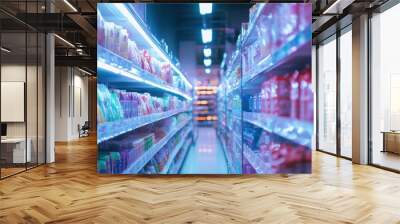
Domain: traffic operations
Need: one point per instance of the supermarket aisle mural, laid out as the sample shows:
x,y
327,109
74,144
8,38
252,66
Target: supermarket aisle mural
x,y
265,97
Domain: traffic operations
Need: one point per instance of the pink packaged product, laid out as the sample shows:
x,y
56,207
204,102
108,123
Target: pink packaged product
x,y
266,97
117,39
166,72
145,101
109,35
156,67
294,96
146,59
134,145
100,29
289,21
283,155
306,96
134,53
123,41
306,16
280,95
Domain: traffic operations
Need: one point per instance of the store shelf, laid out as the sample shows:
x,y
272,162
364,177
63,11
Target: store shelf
x,y
109,130
294,130
229,162
125,73
255,161
290,56
237,138
149,154
236,116
248,38
175,169
138,29
175,152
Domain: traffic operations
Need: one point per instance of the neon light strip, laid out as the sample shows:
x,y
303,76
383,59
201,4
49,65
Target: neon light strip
x,y
64,40
130,75
70,5
5,50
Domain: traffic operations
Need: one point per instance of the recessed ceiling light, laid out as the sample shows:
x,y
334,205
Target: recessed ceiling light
x,y
207,52
207,62
205,8
5,50
206,35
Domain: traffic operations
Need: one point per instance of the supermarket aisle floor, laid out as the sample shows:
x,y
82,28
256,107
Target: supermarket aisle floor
x,y
207,157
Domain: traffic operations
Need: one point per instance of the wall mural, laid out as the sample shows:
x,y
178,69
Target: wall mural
x,y
154,118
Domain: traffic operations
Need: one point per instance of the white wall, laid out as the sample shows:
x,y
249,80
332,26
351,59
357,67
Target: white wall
x,y
33,127
71,94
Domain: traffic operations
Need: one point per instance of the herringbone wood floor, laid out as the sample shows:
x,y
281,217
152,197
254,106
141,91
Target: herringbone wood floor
x,y
70,191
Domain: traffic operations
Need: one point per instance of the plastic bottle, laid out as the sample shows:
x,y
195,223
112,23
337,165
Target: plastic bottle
x,y
294,95
306,96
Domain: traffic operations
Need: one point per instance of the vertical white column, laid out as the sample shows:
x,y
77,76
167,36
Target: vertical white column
x,y
360,90
50,93
314,85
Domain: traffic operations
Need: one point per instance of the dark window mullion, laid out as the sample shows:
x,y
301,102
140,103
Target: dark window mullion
x,y
338,98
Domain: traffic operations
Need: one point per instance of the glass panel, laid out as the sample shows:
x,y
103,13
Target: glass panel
x,y
346,94
41,99
31,97
32,87
385,89
13,86
314,86
327,96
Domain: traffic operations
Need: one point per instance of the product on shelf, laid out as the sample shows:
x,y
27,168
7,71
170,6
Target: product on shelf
x,y
121,153
166,72
100,29
276,26
275,152
306,96
116,39
117,104
109,105
159,161
134,53
280,95
289,95
123,43
295,96
266,97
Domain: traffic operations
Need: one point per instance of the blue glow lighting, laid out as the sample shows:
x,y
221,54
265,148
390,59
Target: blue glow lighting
x,y
207,70
205,8
207,62
207,52
122,8
132,75
206,35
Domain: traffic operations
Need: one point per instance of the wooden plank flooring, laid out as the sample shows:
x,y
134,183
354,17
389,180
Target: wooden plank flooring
x,y
70,191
